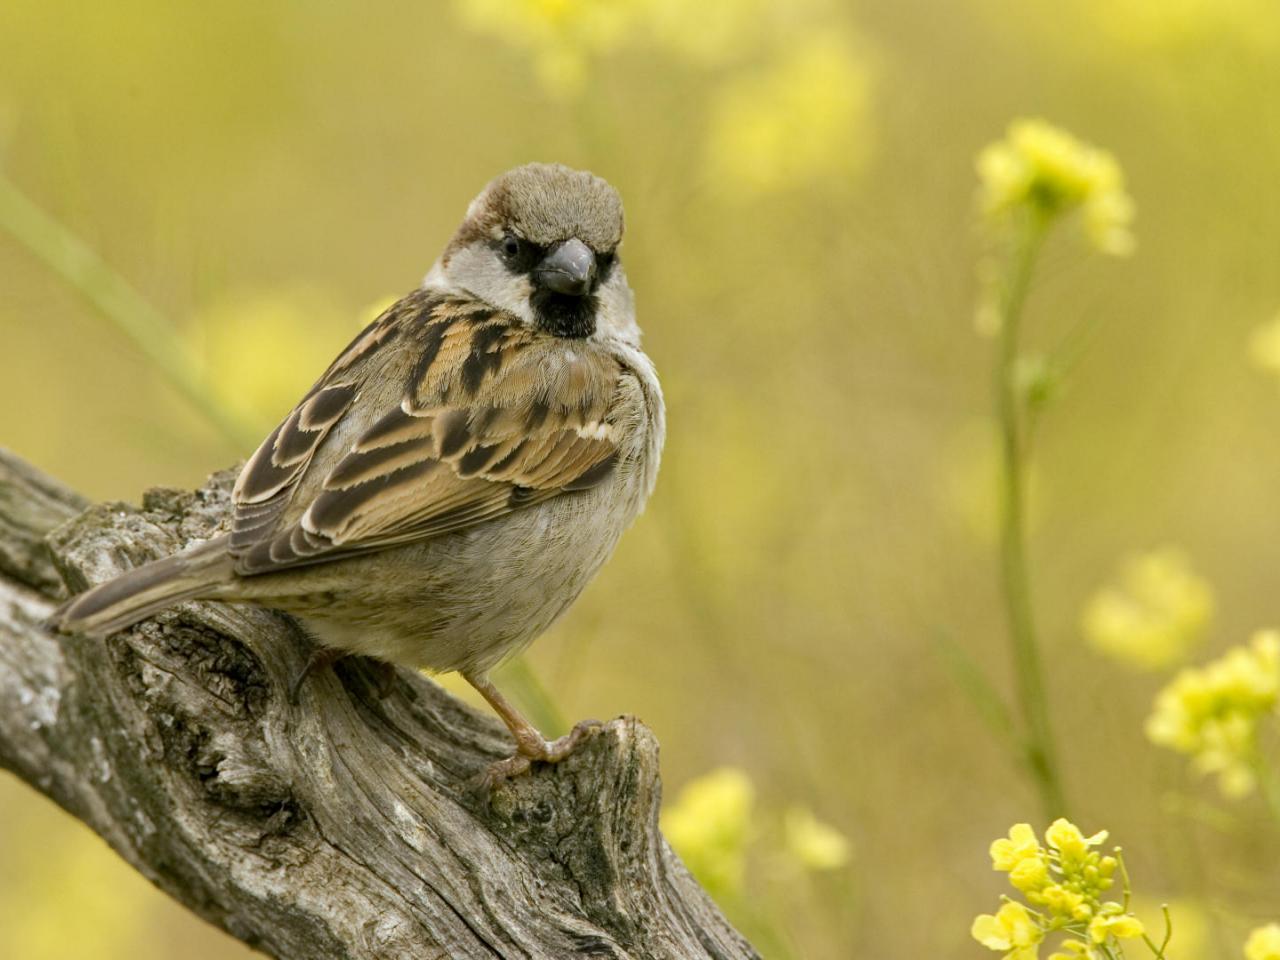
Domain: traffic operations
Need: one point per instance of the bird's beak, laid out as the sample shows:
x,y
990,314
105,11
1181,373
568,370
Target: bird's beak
x,y
569,268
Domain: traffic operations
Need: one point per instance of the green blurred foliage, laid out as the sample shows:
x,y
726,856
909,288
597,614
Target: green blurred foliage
x,y
265,171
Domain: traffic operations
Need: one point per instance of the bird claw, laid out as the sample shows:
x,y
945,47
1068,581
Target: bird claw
x,y
501,770
543,751
558,749
384,674
320,658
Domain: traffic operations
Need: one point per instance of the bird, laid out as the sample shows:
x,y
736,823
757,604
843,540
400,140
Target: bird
x,y
460,472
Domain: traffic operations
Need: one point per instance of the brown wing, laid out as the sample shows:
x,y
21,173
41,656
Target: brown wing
x,y
443,414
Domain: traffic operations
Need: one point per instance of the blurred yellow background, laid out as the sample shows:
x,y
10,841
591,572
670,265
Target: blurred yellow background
x,y
799,182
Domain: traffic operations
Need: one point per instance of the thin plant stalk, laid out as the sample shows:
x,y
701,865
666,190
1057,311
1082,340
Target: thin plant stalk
x,y
112,296
1269,786
1041,754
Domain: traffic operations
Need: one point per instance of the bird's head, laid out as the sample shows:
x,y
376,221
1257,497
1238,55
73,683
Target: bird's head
x,y
541,242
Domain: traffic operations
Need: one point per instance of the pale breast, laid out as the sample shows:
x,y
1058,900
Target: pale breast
x,y
468,599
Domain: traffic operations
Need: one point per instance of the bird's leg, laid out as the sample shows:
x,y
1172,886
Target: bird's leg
x,y
530,744
384,673
384,676
320,658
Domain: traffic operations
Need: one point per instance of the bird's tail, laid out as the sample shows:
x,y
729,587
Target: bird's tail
x,y
133,596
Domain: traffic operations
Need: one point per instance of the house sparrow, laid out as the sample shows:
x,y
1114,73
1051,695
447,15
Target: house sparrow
x,y
460,472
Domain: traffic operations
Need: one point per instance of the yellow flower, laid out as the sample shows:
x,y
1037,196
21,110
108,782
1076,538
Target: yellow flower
x,y
1030,876
562,36
1212,712
1044,169
1065,837
1021,844
814,844
1155,615
565,37
1263,943
1122,926
803,119
1064,880
1083,873
709,826
1250,26
1022,856
243,338
1264,346
1011,929
1075,950
710,32
1063,903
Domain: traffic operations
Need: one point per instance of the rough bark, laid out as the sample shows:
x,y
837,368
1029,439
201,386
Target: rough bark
x,y
345,826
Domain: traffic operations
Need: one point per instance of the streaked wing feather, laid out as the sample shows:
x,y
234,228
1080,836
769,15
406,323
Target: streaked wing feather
x,y
491,419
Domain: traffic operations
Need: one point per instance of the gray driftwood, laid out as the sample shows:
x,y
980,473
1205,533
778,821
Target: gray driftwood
x,y
344,826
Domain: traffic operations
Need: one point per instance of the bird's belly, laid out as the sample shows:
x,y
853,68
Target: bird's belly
x,y
468,599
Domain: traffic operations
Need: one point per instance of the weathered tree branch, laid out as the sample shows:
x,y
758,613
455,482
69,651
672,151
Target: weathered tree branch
x,y
342,827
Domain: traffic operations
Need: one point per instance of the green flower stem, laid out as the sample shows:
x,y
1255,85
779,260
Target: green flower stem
x,y
1158,951
1033,704
82,269
971,679
1269,786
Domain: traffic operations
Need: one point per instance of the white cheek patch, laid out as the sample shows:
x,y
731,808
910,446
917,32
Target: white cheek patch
x,y
616,315
435,278
477,270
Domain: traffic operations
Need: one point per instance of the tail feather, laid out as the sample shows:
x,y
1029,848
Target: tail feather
x,y
123,601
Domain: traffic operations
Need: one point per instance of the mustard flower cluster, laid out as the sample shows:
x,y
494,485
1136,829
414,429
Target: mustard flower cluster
x,y
1243,25
1154,615
564,38
793,107
814,845
561,36
713,823
801,118
1263,943
286,321
1044,169
1063,882
709,825
1213,713
1264,346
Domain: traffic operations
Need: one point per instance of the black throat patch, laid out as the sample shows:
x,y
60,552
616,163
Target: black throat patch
x,y
563,315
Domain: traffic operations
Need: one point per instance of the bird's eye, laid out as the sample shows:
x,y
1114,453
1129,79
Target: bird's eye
x,y
511,245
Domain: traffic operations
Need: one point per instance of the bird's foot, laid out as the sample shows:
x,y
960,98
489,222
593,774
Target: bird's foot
x,y
320,658
384,674
530,749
